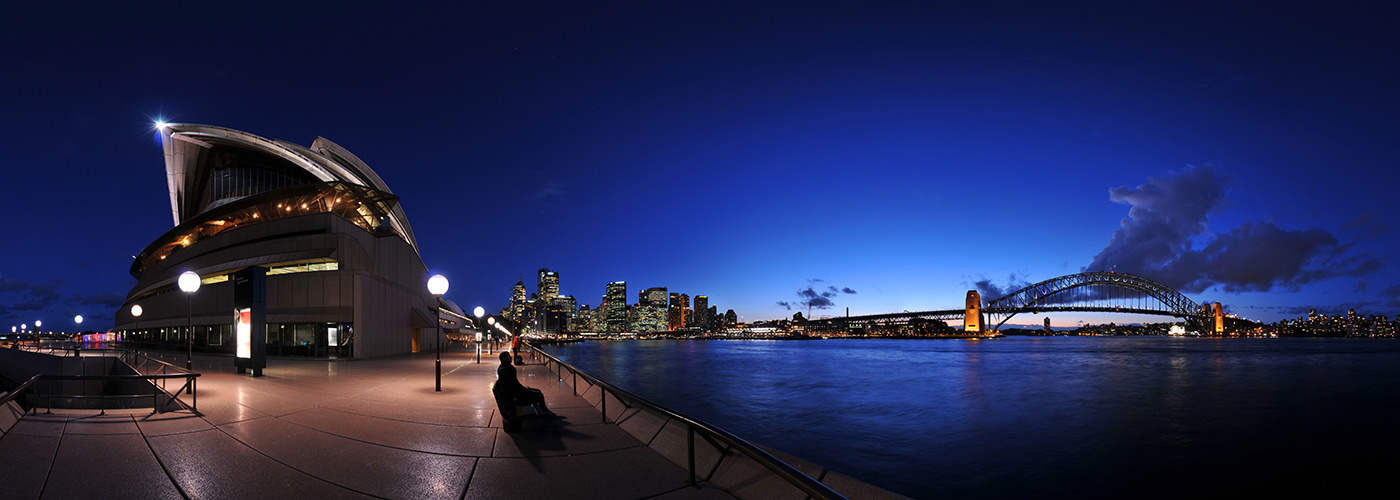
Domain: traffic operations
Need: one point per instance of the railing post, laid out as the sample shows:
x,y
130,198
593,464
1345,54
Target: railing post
x,y
102,397
155,397
604,402
575,382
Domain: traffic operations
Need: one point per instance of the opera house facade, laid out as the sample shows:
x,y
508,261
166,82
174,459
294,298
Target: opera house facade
x,y
344,277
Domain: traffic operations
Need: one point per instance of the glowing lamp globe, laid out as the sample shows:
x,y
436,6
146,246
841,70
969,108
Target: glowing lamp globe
x,y
437,285
479,311
189,282
136,310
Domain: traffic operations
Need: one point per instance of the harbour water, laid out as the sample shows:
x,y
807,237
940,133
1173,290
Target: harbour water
x,y
1045,417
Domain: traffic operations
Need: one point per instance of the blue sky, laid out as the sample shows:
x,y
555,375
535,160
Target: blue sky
x,y
907,151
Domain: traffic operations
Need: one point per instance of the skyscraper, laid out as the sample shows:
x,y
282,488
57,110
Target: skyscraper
x,y
702,312
517,300
615,306
675,315
548,286
651,310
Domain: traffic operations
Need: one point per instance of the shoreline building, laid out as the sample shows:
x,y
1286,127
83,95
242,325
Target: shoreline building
x,y
344,277
615,307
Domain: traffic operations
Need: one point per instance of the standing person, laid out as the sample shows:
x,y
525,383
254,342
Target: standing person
x,y
515,349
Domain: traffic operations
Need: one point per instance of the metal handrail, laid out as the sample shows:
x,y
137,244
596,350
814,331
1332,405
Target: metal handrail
x,y
190,384
137,360
19,390
784,470
39,347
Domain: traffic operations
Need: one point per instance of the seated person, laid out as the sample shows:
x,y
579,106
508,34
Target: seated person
x,y
510,393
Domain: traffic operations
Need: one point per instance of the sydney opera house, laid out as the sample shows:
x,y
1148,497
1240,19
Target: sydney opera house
x,y
344,277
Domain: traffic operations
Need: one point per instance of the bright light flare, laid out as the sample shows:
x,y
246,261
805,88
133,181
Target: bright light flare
x,y
437,285
188,281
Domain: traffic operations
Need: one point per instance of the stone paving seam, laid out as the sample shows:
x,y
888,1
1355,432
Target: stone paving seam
x,y
319,407
659,428
53,461
372,443
147,439
577,454
698,486
290,466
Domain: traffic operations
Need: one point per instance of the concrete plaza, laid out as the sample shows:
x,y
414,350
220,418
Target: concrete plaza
x,y
370,429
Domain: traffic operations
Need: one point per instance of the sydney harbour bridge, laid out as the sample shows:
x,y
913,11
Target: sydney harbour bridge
x,y
1110,292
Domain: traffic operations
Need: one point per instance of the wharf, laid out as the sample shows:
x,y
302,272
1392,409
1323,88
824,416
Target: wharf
x,y
372,429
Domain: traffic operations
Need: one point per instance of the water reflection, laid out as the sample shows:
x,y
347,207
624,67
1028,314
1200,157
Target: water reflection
x,y
1040,417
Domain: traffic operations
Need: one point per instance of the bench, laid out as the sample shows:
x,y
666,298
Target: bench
x,y
511,414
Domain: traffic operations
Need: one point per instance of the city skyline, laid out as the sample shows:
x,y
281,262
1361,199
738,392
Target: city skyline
x,y
638,316
907,153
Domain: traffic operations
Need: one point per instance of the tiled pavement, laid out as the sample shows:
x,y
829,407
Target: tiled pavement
x,y
362,429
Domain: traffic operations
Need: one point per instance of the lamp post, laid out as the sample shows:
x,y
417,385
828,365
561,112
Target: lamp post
x,y
189,283
437,285
478,311
78,319
136,315
37,324
491,321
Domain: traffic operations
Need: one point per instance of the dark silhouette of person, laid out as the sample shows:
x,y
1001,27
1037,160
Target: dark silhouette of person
x,y
510,392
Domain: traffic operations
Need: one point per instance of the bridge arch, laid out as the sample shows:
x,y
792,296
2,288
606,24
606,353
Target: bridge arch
x,y
1051,295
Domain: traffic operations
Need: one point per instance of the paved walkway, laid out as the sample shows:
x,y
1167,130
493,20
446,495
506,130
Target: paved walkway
x,y
377,429
339,429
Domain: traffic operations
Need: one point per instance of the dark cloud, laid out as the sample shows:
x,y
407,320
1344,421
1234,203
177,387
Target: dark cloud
x,y
30,305
991,291
1165,238
46,291
108,300
1367,225
12,285
811,298
1164,216
1391,296
549,190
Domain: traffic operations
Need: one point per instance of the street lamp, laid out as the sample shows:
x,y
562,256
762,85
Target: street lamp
x,y
136,317
492,322
37,324
437,285
189,283
478,311
79,320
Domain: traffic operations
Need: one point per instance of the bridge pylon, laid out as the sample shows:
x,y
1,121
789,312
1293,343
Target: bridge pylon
x,y
972,320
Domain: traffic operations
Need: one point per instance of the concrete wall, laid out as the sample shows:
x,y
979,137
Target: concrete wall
x,y
379,284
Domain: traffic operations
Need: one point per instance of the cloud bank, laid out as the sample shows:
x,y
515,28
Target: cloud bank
x,y
1165,238
810,298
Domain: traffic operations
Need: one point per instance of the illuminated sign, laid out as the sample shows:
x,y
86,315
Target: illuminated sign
x,y
332,337
243,339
